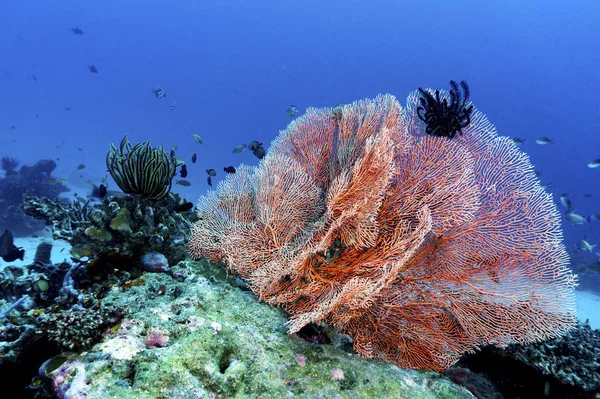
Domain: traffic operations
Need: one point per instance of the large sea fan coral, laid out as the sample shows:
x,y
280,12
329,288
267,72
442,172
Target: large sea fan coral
x,y
421,248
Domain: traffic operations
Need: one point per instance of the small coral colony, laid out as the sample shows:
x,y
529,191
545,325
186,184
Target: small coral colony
x,y
398,226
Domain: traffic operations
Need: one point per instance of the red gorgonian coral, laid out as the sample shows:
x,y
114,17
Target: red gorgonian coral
x,y
420,247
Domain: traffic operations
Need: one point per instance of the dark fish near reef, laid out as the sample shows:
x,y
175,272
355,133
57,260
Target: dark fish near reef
x,y
184,207
68,108
260,152
209,181
8,250
519,142
239,148
229,169
77,31
211,172
160,93
183,183
98,191
80,166
183,171
254,145
257,148
194,158
93,69
173,105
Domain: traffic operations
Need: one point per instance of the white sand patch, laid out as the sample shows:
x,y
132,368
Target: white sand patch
x,y
588,307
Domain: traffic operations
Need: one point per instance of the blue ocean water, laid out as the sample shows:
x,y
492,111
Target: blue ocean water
x,y
232,68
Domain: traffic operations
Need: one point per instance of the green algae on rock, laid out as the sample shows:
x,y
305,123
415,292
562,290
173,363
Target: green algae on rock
x,y
223,343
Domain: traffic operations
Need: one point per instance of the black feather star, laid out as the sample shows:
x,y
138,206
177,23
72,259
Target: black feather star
x,y
445,119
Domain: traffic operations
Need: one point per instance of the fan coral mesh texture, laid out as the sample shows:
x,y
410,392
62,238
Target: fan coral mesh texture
x,y
421,248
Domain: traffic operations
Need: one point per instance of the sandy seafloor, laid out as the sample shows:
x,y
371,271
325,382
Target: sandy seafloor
x,y
588,303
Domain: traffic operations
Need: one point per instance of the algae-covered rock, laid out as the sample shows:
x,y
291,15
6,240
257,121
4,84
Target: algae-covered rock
x,y
220,342
122,221
99,234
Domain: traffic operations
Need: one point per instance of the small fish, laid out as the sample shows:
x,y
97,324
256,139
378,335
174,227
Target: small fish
x,y
229,169
211,172
173,105
537,173
186,206
239,148
183,171
518,142
198,138
183,183
8,250
292,110
77,31
566,202
587,195
260,153
254,145
209,181
68,108
159,93
575,218
102,191
586,246
80,166
174,146
194,158
594,164
93,69
13,127
543,141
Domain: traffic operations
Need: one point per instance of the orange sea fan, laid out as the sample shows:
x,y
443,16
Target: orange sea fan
x,y
421,248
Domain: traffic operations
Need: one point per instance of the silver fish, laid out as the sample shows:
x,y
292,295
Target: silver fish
x,y
594,164
239,148
566,202
586,246
574,218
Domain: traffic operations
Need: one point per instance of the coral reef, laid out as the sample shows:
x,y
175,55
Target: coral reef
x,y
573,359
36,180
199,339
129,226
51,313
419,247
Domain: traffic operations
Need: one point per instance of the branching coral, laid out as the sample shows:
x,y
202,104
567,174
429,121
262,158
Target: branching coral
x,y
419,247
